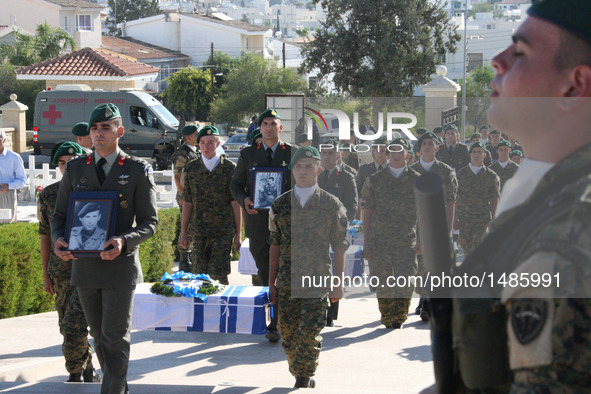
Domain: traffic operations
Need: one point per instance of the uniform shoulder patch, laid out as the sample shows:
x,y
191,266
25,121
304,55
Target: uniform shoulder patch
x,y
528,316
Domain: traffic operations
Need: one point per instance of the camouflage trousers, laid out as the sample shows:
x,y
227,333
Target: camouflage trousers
x,y
211,255
471,233
73,327
389,264
300,323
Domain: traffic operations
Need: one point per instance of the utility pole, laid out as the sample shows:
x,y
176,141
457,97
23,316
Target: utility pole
x,y
211,72
465,87
283,55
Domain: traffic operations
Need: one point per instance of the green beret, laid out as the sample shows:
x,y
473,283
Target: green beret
x,y
302,138
89,207
504,143
103,113
450,126
332,141
256,133
570,15
477,144
476,135
207,130
495,131
400,141
516,152
68,148
268,113
189,129
304,152
80,129
380,141
428,136
422,130
438,129
484,127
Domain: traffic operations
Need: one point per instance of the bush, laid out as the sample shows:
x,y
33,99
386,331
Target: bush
x,y
157,254
21,272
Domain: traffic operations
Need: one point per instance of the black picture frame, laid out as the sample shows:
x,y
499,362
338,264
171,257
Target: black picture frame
x,y
267,184
100,212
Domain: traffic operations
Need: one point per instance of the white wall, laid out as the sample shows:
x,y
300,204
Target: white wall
x,y
154,30
28,13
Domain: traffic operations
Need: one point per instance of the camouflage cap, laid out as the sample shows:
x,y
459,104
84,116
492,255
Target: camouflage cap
x,y
450,126
302,153
302,138
428,136
80,129
256,133
503,143
207,130
570,15
189,129
86,209
477,144
103,113
68,148
268,113
516,152
400,141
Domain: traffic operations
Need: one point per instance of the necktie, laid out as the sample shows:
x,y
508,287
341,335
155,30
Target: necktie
x,y
326,173
100,173
269,155
451,150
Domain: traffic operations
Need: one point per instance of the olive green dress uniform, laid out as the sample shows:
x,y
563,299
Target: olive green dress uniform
x,y
473,207
256,227
457,158
450,183
304,235
504,173
392,238
72,323
211,228
107,288
342,185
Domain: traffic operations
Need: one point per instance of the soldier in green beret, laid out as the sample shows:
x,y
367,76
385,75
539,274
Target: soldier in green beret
x,y
302,140
440,132
256,137
475,138
504,167
106,284
56,278
183,155
478,194
452,152
494,138
271,152
349,160
516,156
390,221
305,223
211,217
80,130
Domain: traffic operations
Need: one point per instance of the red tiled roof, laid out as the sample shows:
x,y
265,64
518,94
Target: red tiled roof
x,y
137,49
88,62
2,27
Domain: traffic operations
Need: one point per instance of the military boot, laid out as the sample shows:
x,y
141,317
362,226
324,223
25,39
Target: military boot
x,y
75,377
304,383
90,375
185,261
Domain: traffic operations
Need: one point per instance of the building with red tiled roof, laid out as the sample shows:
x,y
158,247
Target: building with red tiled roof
x,y
97,68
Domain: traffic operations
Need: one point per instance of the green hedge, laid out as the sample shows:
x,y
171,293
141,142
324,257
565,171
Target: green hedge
x,y
21,273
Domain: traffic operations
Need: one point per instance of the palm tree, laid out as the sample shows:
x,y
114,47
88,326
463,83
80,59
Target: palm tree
x,y
51,41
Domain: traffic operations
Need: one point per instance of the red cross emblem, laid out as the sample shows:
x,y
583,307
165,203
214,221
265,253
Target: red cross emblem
x,y
52,114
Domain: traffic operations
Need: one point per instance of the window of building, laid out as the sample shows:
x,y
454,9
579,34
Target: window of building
x,y
475,60
67,23
83,23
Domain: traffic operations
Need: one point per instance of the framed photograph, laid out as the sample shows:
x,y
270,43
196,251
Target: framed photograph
x,y
268,183
91,221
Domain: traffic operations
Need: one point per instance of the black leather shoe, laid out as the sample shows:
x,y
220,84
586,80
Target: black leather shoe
x,y
424,314
304,383
329,322
75,378
419,307
273,336
90,375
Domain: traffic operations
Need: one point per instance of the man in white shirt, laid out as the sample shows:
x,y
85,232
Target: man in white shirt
x,y
12,177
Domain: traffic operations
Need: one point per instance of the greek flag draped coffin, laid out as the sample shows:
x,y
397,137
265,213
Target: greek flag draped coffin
x,y
237,309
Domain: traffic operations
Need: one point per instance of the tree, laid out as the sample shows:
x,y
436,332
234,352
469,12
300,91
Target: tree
x,y
244,18
243,94
222,63
383,48
48,42
26,91
189,93
478,94
129,10
304,32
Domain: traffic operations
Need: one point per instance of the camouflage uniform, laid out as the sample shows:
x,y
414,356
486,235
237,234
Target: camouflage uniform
x,y
309,230
451,190
473,208
504,173
392,238
212,227
180,158
73,327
